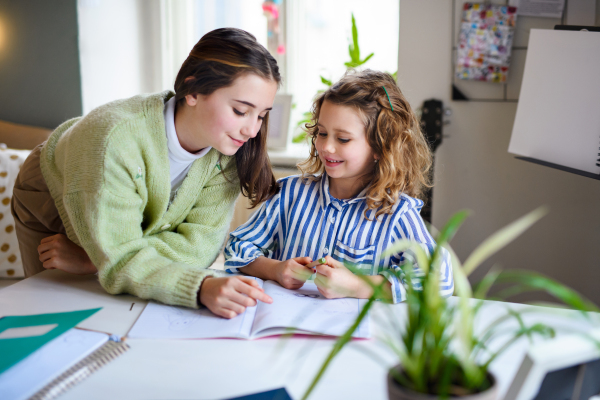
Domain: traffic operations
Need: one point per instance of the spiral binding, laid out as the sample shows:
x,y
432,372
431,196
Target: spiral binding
x,y
80,371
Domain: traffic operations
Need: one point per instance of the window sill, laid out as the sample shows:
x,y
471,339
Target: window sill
x,y
292,155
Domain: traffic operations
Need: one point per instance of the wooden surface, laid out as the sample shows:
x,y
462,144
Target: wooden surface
x,y
24,137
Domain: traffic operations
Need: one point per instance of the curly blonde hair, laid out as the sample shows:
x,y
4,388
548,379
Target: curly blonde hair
x,y
394,136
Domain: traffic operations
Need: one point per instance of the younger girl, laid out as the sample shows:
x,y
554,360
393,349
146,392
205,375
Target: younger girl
x,y
358,194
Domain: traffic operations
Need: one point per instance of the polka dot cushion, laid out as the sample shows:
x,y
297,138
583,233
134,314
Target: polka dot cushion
x,y
10,257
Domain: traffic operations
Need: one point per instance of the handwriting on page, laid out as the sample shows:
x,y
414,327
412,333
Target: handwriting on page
x,y
305,310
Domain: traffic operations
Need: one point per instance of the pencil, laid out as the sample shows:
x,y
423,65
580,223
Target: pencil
x,y
315,263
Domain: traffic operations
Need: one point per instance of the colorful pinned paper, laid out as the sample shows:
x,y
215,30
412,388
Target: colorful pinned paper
x,y
485,41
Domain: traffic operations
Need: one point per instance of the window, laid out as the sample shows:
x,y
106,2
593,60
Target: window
x,y
317,34
243,14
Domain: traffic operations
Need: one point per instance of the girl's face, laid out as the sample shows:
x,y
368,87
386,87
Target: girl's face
x,y
228,117
342,144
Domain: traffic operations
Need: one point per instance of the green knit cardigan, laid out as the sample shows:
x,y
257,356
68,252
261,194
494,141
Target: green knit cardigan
x,y
108,173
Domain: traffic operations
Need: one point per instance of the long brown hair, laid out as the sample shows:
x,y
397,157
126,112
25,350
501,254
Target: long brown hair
x,y
404,157
216,61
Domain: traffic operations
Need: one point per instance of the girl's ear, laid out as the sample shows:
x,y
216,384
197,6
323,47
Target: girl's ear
x,y
191,99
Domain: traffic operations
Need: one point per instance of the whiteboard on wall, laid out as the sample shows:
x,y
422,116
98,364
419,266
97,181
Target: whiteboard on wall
x,y
558,115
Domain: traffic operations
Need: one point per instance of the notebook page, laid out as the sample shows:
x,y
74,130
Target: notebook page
x,y
25,378
307,311
160,321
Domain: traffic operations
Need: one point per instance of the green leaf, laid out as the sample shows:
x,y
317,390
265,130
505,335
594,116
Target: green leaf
x,y
451,227
299,138
402,245
326,81
537,281
355,54
338,345
486,283
449,231
367,58
501,238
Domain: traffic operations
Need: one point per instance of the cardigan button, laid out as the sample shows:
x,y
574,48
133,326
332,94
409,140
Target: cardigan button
x,y
166,226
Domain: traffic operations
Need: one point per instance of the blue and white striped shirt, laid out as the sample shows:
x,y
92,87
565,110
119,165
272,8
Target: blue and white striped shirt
x,y
304,220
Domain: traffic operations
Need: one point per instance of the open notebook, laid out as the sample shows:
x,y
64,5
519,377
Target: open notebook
x,y
303,311
59,364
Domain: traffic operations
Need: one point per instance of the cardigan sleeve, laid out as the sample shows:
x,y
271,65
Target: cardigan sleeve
x,y
164,266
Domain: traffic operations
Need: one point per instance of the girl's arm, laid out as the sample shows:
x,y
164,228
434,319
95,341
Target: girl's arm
x,y
258,237
168,265
253,248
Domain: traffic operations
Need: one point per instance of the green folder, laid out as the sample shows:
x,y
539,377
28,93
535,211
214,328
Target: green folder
x,y
13,350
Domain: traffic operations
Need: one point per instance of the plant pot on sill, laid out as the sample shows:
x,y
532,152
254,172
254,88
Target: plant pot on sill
x,y
399,392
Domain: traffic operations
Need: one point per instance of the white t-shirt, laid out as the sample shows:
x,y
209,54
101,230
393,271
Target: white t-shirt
x,y
180,160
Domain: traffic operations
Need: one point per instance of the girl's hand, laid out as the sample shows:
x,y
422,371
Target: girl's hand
x,y
58,252
292,273
335,281
229,296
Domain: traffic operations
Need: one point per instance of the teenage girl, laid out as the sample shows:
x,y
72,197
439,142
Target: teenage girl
x,y
358,194
142,190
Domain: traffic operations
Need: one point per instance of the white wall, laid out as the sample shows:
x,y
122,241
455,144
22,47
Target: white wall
x,y
119,44
474,170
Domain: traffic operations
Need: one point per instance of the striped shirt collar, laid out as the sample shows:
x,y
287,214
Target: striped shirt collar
x,y
326,199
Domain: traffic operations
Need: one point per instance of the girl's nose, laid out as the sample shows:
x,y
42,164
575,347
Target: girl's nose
x,y
251,128
328,146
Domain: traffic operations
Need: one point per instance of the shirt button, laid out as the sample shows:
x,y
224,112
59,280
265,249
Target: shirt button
x,y
332,219
325,250
166,226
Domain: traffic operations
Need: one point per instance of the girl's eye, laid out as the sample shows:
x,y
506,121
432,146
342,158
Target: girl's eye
x,y
344,140
239,112
323,134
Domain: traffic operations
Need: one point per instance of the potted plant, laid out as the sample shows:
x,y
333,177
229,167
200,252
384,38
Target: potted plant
x,y
355,61
440,355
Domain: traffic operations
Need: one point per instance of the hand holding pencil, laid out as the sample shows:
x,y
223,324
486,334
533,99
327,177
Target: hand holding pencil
x,y
313,265
334,280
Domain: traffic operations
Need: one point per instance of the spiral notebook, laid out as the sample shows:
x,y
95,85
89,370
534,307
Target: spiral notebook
x,y
59,365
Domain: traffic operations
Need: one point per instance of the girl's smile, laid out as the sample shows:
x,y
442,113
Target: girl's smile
x,y
329,162
239,143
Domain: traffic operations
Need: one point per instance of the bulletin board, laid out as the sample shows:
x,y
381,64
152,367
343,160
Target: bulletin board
x,y
507,92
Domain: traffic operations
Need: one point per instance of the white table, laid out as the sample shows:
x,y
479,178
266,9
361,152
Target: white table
x,y
222,368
